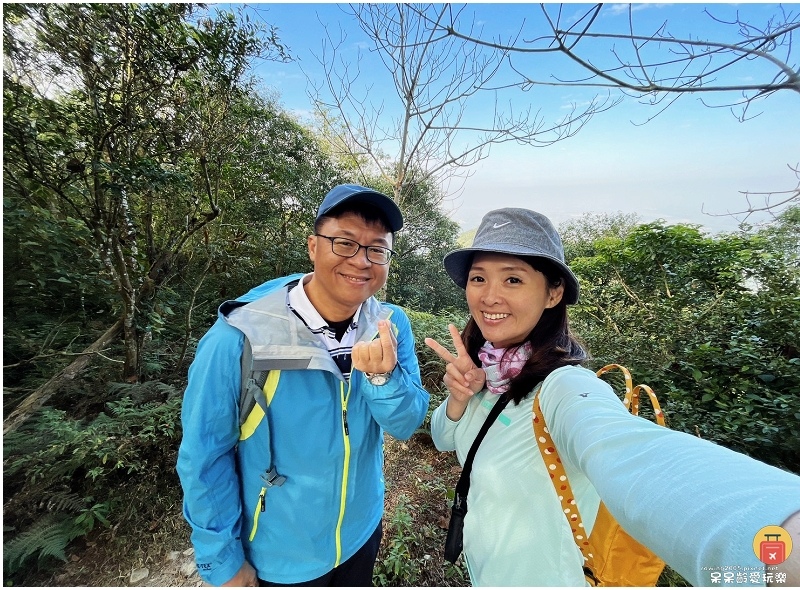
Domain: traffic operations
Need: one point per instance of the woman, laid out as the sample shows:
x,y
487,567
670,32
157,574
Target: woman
x,y
695,504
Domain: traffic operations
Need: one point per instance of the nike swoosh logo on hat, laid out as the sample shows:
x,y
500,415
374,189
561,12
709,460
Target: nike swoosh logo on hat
x,y
499,225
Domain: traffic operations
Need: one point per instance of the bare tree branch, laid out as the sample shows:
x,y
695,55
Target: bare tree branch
x,y
771,202
745,64
692,64
427,127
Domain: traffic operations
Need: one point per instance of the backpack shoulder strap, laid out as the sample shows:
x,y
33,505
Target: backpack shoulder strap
x,y
610,554
558,476
251,391
632,394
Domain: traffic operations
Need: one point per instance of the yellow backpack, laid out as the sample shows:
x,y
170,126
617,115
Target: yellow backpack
x,y
612,556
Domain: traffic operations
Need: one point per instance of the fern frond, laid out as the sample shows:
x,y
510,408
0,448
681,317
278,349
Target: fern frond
x,y
28,438
127,395
121,388
65,501
48,536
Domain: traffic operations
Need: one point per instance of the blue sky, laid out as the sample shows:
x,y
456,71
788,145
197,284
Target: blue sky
x,y
690,159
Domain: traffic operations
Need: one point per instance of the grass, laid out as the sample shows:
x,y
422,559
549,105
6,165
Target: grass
x,y
418,478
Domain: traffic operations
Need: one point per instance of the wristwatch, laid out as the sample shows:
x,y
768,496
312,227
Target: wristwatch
x,y
378,378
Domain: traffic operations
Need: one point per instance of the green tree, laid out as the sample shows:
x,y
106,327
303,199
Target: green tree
x,y
711,323
580,236
120,116
53,294
417,279
279,177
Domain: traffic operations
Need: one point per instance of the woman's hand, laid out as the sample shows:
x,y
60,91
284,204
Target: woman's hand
x,y
462,377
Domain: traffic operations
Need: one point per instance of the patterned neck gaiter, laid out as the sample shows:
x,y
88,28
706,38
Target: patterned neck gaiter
x,y
503,364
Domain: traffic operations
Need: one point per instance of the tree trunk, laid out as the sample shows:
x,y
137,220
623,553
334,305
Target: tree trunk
x,y
131,371
36,399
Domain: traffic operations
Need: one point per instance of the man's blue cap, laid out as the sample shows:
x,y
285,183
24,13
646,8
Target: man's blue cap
x,y
360,194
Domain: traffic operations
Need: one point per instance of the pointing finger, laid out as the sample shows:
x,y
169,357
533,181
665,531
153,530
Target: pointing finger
x,y
461,350
440,350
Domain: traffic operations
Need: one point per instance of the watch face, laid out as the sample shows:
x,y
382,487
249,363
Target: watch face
x,y
378,378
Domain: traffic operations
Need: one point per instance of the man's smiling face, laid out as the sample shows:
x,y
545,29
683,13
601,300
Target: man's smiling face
x,y
339,285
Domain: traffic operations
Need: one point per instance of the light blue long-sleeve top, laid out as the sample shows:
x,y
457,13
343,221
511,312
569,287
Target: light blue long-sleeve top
x,y
696,504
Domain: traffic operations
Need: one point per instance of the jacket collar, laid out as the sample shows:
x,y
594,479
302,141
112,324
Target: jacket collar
x,y
280,340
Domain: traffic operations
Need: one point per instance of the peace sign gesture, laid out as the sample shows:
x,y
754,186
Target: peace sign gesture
x,y
462,377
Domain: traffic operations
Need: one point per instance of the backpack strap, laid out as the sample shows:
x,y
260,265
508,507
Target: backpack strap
x,y
632,393
558,477
252,389
252,393
611,555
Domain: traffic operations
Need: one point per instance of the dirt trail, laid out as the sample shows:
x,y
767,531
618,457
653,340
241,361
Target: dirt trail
x,y
95,567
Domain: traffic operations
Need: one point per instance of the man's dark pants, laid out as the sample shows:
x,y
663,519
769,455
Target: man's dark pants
x,y
356,571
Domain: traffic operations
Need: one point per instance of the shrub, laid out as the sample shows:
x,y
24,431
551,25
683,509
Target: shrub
x,y
64,475
711,323
425,325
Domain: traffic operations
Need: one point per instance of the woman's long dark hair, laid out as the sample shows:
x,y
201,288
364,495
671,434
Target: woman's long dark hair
x,y
553,343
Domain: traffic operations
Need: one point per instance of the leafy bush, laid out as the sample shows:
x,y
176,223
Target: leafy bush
x,y
64,475
711,323
405,551
396,565
425,325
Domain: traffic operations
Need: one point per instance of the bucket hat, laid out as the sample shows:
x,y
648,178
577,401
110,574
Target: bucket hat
x,y
357,193
519,232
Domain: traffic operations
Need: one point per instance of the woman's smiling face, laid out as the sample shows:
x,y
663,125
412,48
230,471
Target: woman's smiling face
x,y
506,297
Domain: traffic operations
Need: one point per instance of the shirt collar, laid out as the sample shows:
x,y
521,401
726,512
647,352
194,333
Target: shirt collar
x,y
298,301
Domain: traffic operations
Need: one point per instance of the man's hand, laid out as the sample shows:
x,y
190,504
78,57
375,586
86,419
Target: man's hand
x,y
245,577
462,377
378,356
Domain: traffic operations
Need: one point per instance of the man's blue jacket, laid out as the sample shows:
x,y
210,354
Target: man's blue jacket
x,y
323,434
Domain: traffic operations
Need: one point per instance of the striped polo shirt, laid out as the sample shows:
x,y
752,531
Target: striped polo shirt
x,y
340,350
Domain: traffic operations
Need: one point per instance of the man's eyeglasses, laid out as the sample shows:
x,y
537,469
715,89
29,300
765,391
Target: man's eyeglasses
x,y
347,248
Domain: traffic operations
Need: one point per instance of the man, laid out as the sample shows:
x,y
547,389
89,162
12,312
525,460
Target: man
x,y
341,371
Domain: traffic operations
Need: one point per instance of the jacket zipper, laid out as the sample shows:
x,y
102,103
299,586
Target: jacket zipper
x,y
345,471
261,506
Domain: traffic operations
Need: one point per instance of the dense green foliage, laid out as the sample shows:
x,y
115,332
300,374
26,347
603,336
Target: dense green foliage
x,y
148,181
75,471
711,323
145,179
131,119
